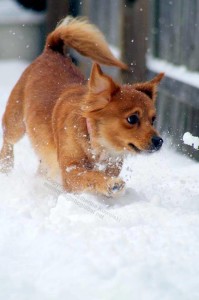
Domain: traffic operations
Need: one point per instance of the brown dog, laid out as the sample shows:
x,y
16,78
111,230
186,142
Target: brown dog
x,y
80,129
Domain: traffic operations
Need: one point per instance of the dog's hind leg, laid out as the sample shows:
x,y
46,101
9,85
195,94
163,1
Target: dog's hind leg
x,y
6,157
13,128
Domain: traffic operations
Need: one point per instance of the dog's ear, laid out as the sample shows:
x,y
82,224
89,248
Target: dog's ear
x,y
101,89
150,87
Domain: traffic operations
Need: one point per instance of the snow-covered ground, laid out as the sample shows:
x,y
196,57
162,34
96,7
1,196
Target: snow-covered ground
x,y
143,246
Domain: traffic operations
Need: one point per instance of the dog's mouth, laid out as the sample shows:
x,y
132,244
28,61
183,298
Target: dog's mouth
x,y
132,146
147,151
137,150
150,150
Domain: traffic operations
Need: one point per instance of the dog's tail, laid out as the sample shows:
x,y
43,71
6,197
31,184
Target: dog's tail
x,y
85,38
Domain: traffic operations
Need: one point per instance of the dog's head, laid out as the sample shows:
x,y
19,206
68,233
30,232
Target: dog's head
x,y
123,116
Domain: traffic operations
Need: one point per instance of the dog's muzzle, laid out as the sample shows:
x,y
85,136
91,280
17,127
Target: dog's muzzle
x,y
156,143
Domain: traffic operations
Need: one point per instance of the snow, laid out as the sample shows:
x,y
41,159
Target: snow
x,y
143,245
180,73
191,140
12,12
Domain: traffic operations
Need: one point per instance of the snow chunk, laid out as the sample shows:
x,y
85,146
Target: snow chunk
x,y
191,140
71,168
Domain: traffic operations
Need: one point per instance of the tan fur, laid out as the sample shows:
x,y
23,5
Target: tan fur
x,y
73,124
85,38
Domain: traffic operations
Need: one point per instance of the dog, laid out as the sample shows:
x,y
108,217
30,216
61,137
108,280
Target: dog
x,y
80,129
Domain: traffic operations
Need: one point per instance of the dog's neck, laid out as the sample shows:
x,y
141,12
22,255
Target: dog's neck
x,y
88,125
96,148
99,149
92,135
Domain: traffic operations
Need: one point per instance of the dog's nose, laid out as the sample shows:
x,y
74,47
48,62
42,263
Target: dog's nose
x,y
157,142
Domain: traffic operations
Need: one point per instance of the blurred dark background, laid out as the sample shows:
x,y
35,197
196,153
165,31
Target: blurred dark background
x,y
151,36
117,19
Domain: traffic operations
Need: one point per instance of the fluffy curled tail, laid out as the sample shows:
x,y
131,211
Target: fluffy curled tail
x,y
85,38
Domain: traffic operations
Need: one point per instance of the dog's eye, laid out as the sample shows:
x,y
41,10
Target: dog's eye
x,y
133,119
153,120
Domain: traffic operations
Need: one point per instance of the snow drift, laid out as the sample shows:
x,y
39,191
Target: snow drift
x,y
55,245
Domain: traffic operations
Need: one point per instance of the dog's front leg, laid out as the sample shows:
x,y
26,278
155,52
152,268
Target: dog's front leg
x,y
78,179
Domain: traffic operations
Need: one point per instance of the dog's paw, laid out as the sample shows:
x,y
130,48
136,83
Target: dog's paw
x,y
115,187
6,165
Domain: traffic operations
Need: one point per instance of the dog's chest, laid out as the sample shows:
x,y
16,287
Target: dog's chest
x,y
103,160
